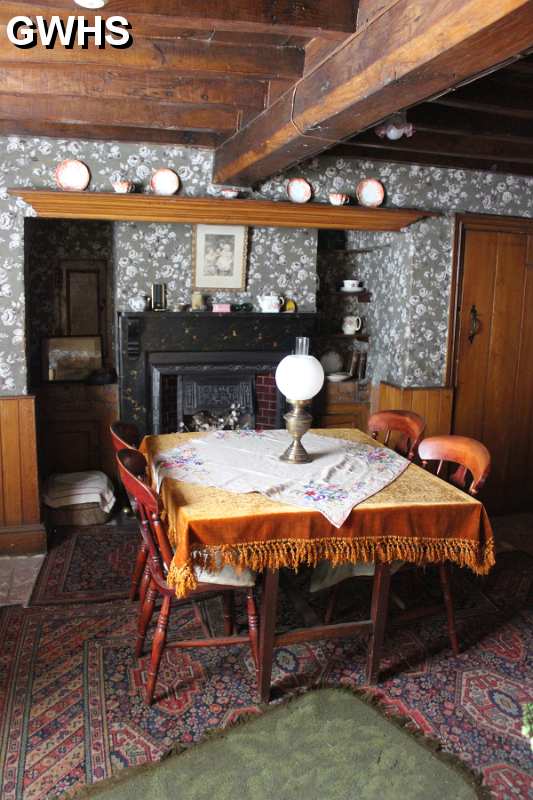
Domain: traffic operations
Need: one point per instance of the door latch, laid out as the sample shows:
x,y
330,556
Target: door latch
x,y
474,324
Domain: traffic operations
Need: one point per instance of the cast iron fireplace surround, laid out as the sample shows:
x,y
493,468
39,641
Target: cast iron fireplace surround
x,y
195,346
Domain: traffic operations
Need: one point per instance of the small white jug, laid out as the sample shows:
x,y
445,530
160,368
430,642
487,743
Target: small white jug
x,y
270,303
351,325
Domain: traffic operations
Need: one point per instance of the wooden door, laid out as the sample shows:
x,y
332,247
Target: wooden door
x,y
494,365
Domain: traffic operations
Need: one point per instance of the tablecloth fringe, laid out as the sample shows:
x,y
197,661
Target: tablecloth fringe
x,y
293,553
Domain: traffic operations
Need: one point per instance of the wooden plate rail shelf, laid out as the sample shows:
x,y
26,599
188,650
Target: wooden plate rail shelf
x,y
214,211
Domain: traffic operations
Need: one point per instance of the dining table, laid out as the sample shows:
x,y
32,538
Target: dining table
x,y
417,518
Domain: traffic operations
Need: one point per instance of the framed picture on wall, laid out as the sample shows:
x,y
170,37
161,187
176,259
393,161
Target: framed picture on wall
x,y
70,358
219,256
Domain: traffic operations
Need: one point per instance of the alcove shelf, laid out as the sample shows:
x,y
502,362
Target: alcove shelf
x,y
54,204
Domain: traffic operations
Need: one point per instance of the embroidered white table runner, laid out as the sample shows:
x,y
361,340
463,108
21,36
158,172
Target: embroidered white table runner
x,y
341,475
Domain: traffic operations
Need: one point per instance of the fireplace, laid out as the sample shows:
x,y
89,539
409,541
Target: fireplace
x,y
173,364
184,385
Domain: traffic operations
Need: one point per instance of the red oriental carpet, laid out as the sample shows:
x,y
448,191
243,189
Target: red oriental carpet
x,y
71,711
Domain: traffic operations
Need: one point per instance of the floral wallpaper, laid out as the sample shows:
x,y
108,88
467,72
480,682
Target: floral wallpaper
x,y
282,261
411,278
409,273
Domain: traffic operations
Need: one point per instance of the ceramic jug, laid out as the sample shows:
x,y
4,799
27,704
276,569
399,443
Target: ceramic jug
x,y
270,303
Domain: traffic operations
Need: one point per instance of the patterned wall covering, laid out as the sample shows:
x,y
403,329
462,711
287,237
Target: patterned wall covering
x,y
30,161
409,273
282,261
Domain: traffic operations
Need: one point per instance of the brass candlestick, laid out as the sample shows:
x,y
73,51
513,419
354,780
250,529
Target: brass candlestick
x,y
298,423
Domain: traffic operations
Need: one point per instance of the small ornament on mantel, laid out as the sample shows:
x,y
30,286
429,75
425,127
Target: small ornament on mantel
x,y
165,182
72,175
370,192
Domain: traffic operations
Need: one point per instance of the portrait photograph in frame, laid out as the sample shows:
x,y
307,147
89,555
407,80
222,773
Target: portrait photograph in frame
x,y
219,257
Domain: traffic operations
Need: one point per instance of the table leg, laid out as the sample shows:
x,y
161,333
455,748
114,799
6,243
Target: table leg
x,y
267,630
378,615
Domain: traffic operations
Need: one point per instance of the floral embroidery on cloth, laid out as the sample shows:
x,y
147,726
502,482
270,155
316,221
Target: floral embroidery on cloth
x,y
341,475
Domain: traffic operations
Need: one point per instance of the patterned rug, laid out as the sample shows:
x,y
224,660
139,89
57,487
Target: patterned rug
x,y
71,711
89,564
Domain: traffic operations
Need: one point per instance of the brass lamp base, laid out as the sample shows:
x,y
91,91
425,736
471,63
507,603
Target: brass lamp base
x,y
298,423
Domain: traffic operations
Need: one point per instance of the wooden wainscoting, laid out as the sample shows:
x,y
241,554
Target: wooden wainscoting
x,y
21,530
434,404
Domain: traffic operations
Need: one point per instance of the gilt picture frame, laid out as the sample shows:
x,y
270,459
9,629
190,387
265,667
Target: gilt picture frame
x,y
219,257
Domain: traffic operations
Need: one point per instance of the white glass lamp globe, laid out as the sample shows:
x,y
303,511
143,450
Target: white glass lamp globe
x,y
299,377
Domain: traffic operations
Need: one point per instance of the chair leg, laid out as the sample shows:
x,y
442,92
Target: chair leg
x,y
253,628
138,572
145,615
145,582
332,602
200,616
158,646
444,571
228,606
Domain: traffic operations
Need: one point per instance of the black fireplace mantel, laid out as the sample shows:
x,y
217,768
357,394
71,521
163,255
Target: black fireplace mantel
x,y
142,334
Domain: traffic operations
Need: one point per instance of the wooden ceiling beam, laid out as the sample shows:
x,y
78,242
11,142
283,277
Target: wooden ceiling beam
x,y
430,117
413,51
182,55
493,95
360,151
450,144
127,113
306,18
107,133
106,82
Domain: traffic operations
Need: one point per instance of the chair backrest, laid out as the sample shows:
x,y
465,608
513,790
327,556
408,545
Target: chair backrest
x,y
132,469
408,424
124,434
471,457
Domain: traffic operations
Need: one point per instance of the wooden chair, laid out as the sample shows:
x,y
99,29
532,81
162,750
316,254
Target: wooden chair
x,y
407,429
468,465
132,469
407,424
125,435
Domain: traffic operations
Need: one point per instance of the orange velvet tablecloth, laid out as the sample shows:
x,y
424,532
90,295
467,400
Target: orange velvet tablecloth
x,y
417,518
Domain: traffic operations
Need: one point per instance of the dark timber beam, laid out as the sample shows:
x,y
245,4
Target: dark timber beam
x,y
450,144
107,133
180,55
303,18
130,113
111,83
414,50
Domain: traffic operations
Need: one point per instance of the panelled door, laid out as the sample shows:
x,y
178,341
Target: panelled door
x,y
494,354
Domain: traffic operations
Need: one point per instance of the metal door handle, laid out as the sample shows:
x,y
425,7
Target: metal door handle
x,y
474,324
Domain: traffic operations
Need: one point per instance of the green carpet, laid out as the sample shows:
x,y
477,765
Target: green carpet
x,y
324,745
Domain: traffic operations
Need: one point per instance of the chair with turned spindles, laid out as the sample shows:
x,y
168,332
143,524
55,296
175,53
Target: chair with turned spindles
x,y
401,430
224,582
126,435
465,463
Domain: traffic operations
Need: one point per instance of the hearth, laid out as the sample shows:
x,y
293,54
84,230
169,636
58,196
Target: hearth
x,y
187,385
173,364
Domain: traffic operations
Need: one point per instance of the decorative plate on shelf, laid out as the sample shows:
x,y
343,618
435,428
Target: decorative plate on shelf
x,y
165,181
72,175
299,190
331,361
337,377
370,192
